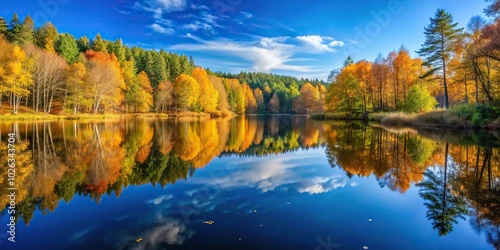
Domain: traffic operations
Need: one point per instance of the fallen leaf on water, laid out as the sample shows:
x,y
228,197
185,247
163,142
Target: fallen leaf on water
x,y
138,240
370,220
209,222
255,211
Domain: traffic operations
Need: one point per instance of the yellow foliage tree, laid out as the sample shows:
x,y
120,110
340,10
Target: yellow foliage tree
x,y
75,78
186,92
15,75
250,101
208,94
145,97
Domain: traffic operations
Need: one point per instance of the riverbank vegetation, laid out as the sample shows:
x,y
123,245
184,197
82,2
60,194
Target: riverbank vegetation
x,y
458,72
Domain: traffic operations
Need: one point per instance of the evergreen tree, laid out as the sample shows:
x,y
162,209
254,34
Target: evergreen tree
x,y
83,44
175,66
45,36
158,72
98,44
440,38
119,50
67,47
3,26
347,62
17,33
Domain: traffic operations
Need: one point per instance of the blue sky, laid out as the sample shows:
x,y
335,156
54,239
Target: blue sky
x,y
298,38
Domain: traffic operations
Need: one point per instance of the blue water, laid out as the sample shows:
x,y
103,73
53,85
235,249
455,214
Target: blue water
x,y
290,200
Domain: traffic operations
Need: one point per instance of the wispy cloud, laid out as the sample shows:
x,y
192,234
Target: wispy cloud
x,y
124,12
320,44
265,53
162,30
171,5
196,26
158,7
198,7
246,14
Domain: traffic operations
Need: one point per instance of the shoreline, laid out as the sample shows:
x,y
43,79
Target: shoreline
x,y
52,117
459,119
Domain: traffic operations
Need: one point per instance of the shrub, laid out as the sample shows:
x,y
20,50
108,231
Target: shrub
x,y
419,100
478,115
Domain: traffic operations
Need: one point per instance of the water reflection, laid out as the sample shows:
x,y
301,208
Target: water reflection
x,y
456,176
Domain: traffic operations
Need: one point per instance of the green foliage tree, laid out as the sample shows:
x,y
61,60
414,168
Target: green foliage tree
x,y
3,26
67,47
419,100
348,61
18,32
441,36
45,36
98,44
83,44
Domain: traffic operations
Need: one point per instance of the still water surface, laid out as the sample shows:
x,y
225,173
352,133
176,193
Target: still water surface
x,y
254,182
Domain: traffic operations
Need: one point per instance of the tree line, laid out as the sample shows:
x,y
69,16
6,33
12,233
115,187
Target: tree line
x,y
455,66
51,72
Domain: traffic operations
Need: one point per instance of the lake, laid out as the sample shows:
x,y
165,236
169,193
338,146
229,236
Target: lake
x,y
252,182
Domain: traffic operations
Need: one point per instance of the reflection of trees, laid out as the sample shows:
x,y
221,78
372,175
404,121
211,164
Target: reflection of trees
x,y
478,180
363,151
105,158
444,207
24,169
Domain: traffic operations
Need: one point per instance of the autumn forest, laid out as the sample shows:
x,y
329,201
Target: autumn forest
x,y
50,72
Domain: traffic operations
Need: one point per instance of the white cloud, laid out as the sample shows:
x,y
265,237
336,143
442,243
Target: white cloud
x,y
315,42
196,26
211,19
158,7
319,44
162,30
171,5
266,53
246,14
123,12
198,7
336,44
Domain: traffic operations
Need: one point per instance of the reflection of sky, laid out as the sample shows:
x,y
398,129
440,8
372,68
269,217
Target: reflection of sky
x,y
288,201
302,171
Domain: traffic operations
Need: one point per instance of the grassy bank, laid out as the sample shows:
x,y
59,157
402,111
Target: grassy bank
x,y
337,116
51,117
460,117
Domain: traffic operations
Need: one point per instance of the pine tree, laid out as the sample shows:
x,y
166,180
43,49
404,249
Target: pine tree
x,y
83,44
67,47
17,33
440,37
347,62
3,26
98,44
45,36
